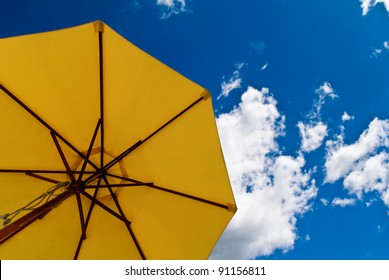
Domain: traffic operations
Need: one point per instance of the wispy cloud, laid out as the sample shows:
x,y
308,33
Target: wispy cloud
x,y
234,82
384,48
363,165
324,92
324,201
346,117
171,7
314,131
264,181
343,202
366,5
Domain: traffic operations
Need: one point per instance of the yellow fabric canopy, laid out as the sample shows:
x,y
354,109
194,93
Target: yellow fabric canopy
x,y
127,147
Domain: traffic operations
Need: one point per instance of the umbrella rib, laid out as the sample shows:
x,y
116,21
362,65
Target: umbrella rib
x,y
44,123
173,119
42,171
128,225
125,178
189,196
151,185
101,77
141,142
118,185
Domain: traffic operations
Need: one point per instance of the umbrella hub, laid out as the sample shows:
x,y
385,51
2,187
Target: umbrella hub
x,y
98,178
78,186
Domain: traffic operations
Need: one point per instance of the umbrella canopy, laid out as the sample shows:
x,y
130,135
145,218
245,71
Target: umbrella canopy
x,y
105,152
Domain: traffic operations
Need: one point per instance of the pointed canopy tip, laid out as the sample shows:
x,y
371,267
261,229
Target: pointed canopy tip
x,y
206,94
232,208
99,26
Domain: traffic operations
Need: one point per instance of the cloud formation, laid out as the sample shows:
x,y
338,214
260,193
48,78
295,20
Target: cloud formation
x,y
363,165
346,117
171,7
312,135
343,202
234,82
314,131
271,190
324,92
368,4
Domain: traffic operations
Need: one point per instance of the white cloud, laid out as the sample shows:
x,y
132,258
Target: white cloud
x,y
341,159
323,92
312,135
364,165
346,117
376,53
343,202
324,201
265,66
368,4
326,88
233,83
280,189
380,50
369,176
171,7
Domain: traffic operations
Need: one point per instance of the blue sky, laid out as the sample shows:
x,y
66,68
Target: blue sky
x,y
301,101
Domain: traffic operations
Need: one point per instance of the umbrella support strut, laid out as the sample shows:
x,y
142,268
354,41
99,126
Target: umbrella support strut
x,y
120,217
86,223
128,225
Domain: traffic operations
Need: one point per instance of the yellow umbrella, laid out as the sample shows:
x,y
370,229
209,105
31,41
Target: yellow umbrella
x,y
105,152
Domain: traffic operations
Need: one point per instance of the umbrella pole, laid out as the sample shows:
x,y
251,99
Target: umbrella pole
x,y
38,213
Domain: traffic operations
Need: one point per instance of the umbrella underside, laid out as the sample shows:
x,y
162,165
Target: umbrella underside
x,y
96,174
